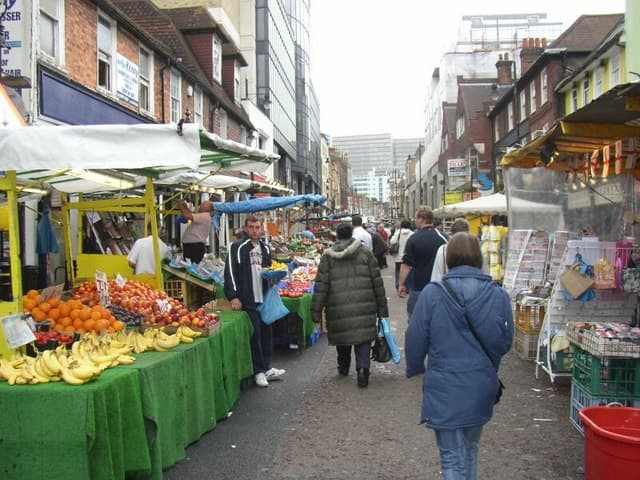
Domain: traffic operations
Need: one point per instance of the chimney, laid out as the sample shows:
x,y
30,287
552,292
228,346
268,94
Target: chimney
x,y
532,48
505,69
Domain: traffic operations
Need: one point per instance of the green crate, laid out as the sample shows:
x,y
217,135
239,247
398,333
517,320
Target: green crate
x,y
613,376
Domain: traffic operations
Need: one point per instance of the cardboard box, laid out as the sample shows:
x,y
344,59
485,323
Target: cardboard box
x,y
218,305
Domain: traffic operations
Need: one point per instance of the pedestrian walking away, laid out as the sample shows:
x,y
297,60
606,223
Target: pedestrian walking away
x,y
399,238
463,333
440,263
350,291
245,288
420,253
360,233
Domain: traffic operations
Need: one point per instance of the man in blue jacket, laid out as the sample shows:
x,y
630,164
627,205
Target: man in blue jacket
x,y
245,288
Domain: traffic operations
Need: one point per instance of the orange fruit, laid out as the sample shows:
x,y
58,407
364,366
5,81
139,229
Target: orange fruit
x,y
89,324
85,313
69,329
74,314
65,321
64,308
101,325
77,323
95,315
38,315
45,307
118,325
54,302
81,330
33,293
28,304
54,314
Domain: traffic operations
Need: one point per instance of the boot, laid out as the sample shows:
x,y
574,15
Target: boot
x,y
363,377
343,370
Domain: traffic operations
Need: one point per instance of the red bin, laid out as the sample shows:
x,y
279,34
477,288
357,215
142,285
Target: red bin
x,y
611,443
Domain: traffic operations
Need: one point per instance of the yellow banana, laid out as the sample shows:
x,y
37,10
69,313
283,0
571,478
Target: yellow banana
x,y
51,362
21,380
166,343
7,371
189,332
71,379
40,371
126,359
83,371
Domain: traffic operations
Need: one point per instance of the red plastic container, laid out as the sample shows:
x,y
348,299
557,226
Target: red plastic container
x,y
611,443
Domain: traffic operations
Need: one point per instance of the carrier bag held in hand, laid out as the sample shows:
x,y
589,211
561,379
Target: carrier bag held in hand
x,y
272,308
380,351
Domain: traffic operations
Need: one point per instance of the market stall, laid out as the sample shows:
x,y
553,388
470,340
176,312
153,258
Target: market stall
x,y
576,308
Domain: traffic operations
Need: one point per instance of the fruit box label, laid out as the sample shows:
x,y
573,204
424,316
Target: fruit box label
x,y
17,331
51,292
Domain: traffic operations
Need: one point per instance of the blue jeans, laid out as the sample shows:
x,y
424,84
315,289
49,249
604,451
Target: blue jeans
x,y
411,301
459,452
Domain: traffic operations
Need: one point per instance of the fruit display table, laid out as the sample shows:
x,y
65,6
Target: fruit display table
x,y
302,306
136,418
55,430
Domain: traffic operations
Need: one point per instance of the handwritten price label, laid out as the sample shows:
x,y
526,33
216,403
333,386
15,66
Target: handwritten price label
x,y
103,288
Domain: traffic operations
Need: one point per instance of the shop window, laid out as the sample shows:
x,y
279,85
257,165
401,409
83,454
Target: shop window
x,y
51,29
145,81
176,96
106,51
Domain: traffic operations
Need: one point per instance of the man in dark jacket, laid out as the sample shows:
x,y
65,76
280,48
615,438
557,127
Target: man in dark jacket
x,y
245,288
349,289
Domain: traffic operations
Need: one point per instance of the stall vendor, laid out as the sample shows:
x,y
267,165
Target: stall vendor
x,y
197,233
141,257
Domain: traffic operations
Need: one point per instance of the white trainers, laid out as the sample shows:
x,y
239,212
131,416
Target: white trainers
x,y
261,380
274,373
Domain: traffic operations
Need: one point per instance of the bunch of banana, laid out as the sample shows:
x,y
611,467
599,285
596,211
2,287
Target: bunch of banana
x,y
162,342
23,370
77,373
275,265
187,334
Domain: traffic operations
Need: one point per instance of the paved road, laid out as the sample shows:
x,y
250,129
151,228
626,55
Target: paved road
x,y
315,425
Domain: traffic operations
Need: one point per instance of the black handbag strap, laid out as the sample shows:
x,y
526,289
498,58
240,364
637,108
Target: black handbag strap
x,y
452,292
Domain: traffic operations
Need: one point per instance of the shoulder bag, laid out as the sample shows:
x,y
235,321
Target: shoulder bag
x,y
501,386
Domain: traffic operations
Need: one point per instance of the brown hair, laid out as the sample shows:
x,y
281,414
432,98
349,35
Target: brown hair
x,y
459,225
252,219
425,213
464,249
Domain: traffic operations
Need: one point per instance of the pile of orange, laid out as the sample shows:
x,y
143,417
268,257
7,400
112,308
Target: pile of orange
x,y
70,316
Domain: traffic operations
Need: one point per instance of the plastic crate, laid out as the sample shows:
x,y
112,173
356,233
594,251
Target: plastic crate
x,y
581,399
606,376
525,344
528,318
174,288
602,346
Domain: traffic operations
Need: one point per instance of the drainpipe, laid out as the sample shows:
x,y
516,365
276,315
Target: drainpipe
x,y
168,64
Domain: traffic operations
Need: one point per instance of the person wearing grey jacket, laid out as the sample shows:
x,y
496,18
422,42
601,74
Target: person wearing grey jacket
x,y
349,289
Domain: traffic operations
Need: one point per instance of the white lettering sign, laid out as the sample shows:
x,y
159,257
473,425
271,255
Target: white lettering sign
x,y
15,21
127,80
457,167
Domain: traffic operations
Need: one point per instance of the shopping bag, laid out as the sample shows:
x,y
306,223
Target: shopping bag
x,y
388,335
631,279
577,279
272,308
394,248
380,349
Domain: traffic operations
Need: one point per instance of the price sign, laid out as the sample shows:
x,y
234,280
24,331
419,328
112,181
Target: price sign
x,y
103,288
51,292
16,331
164,305
120,280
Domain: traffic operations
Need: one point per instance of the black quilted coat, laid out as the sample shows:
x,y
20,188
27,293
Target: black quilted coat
x,y
350,290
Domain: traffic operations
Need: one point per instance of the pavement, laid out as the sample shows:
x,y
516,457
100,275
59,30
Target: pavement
x,y
316,425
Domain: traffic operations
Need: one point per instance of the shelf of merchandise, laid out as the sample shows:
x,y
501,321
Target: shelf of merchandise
x,y
608,306
526,259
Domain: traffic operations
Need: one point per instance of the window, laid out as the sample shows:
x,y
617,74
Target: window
x,y
598,86
523,105
223,123
106,47
50,25
243,135
614,66
496,130
445,142
533,93
236,80
543,86
510,114
459,126
585,91
197,106
176,96
574,98
217,60
145,82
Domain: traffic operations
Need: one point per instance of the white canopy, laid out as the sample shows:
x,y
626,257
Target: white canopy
x,y
495,204
99,147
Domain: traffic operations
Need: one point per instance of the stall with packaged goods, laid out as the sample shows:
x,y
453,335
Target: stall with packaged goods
x,y
296,285
574,274
172,384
